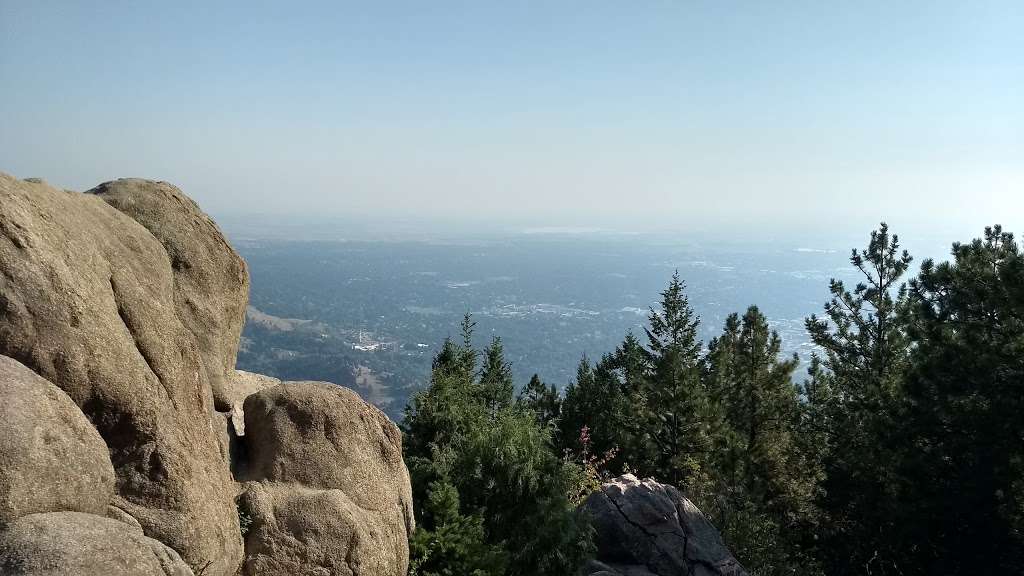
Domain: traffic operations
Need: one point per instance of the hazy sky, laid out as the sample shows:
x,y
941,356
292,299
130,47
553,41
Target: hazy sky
x,y
621,114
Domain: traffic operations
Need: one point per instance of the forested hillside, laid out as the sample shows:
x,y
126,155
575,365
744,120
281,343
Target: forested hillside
x,y
901,450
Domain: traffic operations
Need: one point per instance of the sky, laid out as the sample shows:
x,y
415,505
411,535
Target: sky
x,y
715,116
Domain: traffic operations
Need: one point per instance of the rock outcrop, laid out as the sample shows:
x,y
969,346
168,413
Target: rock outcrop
x,y
643,528
89,304
211,282
120,316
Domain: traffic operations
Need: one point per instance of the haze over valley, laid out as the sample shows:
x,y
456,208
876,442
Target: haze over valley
x,y
377,311
559,288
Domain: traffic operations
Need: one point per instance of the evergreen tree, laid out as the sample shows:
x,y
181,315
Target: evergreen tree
x,y
813,436
963,493
864,334
482,469
629,361
629,364
815,422
435,416
594,402
763,492
680,416
543,400
496,377
448,543
864,338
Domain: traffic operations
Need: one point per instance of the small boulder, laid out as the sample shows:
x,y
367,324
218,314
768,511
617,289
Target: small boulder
x,y
300,530
51,458
326,437
62,543
643,527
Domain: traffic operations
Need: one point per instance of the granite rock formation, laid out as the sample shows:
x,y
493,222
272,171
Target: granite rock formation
x,y
120,316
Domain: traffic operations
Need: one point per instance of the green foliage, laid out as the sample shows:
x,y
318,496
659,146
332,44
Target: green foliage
x,y
679,417
454,544
901,452
864,338
482,468
764,490
541,399
244,520
593,402
496,378
962,418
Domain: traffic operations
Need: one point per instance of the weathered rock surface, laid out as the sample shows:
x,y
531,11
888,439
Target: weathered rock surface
x,y
240,386
65,543
644,528
124,419
211,282
231,424
301,530
87,300
51,458
323,436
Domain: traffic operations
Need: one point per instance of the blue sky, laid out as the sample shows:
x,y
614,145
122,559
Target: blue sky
x,y
675,115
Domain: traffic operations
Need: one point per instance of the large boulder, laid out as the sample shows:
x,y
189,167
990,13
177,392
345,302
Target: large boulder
x,y
120,312
51,458
300,530
326,437
88,301
651,529
211,282
63,543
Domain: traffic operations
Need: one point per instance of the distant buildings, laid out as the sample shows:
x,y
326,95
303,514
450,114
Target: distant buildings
x,y
366,343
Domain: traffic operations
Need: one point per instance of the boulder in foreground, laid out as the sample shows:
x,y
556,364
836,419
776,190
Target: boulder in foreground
x,y
51,458
299,530
314,446
90,301
124,425
65,543
651,529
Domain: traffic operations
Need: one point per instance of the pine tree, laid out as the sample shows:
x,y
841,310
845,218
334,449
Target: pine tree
x,y
864,334
763,491
630,365
864,338
496,377
482,469
449,543
541,399
629,361
680,414
759,401
813,431
963,504
593,401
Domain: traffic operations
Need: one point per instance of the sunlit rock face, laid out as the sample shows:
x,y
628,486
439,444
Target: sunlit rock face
x,y
120,316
